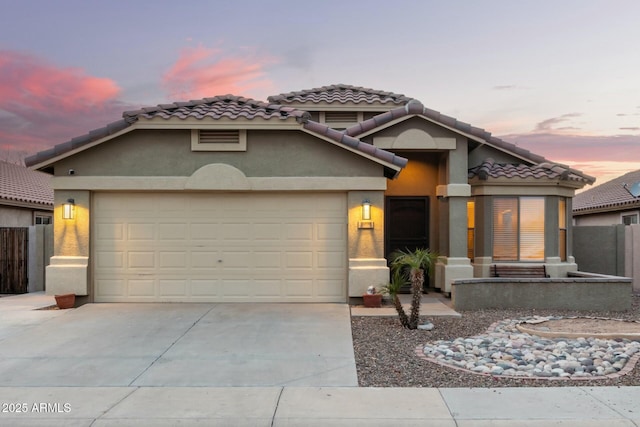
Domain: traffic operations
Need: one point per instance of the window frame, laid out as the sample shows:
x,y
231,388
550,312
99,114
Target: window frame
x,y
634,215
518,232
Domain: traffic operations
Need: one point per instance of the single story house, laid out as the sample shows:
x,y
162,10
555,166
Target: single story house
x,y
301,199
610,203
26,196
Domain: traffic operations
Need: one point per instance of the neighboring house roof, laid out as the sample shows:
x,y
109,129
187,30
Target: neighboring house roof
x,y
340,93
609,196
216,108
20,186
546,170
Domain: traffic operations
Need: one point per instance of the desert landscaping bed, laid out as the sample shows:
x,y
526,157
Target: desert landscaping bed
x,y
385,352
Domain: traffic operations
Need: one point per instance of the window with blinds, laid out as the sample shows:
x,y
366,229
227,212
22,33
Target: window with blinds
x,y
518,229
471,228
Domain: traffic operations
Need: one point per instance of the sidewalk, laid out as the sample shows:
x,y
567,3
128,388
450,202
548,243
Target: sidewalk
x,y
324,406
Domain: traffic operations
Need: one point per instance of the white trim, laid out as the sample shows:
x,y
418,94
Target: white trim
x,y
179,183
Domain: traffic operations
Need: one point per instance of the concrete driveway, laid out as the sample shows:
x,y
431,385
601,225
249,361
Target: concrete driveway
x,y
179,345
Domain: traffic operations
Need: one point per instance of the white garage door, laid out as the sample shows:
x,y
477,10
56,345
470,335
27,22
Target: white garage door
x,y
206,247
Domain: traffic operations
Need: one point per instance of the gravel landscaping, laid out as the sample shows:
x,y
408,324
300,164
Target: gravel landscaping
x,y
385,352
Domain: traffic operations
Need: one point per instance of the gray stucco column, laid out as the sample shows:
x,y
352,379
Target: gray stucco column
x,y
453,262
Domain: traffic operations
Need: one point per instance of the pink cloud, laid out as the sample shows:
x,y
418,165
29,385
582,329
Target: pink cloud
x,y
202,72
42,104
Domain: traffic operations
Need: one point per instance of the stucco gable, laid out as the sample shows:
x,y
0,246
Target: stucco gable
x,y
241,112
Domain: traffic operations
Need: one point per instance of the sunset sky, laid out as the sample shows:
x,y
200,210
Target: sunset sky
x,y
560,78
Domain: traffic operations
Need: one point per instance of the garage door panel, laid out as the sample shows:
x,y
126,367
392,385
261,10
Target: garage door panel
x,y
110,260
173,260
236,231
141,288
299,260
141,260
172,287
141,231
202,231
110,288
220,247
299,288
331,260
303,231
329,288
334,232
110,232
205,288
173,231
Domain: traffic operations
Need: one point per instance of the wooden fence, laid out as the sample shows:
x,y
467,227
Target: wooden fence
x,y
14,260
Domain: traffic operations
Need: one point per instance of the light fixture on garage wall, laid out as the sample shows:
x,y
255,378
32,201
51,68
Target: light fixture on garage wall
x,y
69,209
366,215
366,210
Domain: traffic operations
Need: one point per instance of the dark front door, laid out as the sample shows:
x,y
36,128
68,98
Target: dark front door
x,y
406,224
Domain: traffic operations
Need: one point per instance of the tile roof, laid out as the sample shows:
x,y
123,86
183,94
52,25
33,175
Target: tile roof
x,y
608,196
340,93
546,170
24,186
355,143
415,107
219,107
228,106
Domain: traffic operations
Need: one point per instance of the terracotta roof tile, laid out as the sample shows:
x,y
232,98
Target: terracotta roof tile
x,y
415,107
546,170
342,94
19,184
608,196
227,106
355,143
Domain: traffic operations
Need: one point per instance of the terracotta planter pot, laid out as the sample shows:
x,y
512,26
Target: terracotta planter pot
x,y
372,301
65,301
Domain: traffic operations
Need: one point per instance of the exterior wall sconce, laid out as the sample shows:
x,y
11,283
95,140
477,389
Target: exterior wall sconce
x,y
366,210
69,209
366,222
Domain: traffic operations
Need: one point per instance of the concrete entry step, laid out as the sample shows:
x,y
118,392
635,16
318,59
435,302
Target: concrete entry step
x,y
433,304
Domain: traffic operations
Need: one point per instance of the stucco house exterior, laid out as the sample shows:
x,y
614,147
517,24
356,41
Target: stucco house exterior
x,y
609,203
26,196
301,199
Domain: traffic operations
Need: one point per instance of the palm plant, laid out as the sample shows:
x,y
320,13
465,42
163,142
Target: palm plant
x,y
411,266
393,289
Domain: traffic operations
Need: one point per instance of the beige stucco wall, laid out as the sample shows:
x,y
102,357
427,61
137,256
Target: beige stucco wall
x,y
15,217
168,153
604,218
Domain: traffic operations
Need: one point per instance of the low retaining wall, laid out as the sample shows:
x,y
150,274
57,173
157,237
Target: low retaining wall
x,y
586,292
